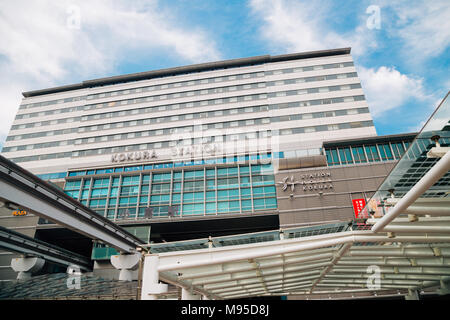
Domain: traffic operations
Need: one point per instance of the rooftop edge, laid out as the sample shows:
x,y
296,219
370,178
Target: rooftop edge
x,y
185,69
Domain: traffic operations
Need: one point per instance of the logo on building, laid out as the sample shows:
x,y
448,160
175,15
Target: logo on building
x,y
196,150
308,182
19,213
285,183
133,156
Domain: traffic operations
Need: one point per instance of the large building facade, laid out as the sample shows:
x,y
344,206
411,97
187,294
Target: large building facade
x,y
218,148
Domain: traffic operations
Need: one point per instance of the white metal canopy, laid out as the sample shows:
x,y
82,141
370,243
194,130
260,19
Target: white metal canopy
x,y
323,263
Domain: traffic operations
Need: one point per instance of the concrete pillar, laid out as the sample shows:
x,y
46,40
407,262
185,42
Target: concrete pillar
x,y
412,295
151,287
25,266
126,263
187,295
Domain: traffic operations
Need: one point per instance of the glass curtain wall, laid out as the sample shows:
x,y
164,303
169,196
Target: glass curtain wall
x,y
185,192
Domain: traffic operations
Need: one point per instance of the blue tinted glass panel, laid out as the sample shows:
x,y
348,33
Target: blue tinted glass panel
x,y
246,205
210,207
77,173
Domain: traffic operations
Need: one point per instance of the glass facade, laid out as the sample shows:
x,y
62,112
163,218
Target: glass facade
x,y
242,188
366,153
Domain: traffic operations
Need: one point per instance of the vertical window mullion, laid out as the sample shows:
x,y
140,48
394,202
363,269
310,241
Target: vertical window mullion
x,y
80,189
365,153
171,188
150,181
107,196
182,193
216,190
378,152
339,156
392,150
239,188
351,155
250,174
204,191
119,188
138,196
90,192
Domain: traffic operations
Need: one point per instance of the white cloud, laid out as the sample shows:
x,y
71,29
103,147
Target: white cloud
x,y
422,26
386,89
302,26
39,47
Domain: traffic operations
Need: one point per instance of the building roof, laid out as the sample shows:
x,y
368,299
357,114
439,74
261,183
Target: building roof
x,y
370,139
233,63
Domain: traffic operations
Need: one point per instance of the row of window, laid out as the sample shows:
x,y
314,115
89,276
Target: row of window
x,y
221,138
149,99
204,127
314,90
148,121
187,83
309,103
366,153
51,176
220,160
200,209
204,191
195,116
312,79
204,114
177,175
194,191
146,133
186,116
201,103
221,79
177,117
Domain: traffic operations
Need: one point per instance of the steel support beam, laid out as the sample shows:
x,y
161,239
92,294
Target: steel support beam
x,y
11,240
25,190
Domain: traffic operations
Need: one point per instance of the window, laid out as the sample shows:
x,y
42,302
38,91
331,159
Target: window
x,y
332,157
398,149
359,155
372,153
346,156
385,152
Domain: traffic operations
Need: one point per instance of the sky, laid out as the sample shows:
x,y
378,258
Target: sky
x,y
400,48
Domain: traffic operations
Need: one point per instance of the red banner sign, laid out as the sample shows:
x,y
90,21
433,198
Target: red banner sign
x,y
358,205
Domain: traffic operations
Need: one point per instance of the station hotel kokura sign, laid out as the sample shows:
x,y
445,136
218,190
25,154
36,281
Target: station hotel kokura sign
x,y
308,182
133,156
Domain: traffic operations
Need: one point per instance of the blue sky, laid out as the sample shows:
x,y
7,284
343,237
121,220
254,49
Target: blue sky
x,y
402,58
